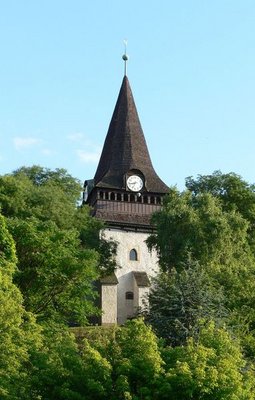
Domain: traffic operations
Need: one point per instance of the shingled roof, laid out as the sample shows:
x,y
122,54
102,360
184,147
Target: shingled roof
x,y
141,278
125,147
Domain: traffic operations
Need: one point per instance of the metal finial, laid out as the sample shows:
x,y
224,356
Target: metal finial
x,y
125,58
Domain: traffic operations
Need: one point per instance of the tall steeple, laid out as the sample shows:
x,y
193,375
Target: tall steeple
x,y
125,190
124,193
125,147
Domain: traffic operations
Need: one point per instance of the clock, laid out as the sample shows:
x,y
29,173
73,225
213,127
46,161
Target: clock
x,y
134,183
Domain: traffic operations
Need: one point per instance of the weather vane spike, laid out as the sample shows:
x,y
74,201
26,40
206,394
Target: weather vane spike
x,y
125,58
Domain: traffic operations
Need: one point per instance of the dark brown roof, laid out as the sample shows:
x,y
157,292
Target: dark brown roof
x,y
111,216
141,278
109,280
125,147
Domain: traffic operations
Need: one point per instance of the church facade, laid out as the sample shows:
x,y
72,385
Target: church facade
x,y
124,193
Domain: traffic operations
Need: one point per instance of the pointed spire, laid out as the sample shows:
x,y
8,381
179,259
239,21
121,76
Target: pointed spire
x,y
125,58
125,147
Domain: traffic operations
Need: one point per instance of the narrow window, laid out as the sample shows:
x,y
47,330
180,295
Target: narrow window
x,y
118,196
133,255
112,196
129,296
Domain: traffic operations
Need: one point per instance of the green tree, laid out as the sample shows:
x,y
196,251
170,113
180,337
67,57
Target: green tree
x,y
59,247
211,369
233,193
178,301
197,229
97,375
40,193
230,188
126,360
139,363
65,371
56,273
19,333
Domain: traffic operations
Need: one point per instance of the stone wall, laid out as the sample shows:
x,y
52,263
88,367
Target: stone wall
x,y
109,304
146,262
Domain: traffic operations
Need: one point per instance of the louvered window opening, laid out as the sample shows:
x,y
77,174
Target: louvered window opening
x,y
130,197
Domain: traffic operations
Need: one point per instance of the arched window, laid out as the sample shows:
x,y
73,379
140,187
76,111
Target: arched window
x,y
129,296
125,197
101,195
145,200
118,196
133,255
112,196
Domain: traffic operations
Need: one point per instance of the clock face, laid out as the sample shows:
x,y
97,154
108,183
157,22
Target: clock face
x,y
134,183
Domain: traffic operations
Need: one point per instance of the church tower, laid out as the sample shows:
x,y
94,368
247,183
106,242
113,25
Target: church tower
x,y
124,193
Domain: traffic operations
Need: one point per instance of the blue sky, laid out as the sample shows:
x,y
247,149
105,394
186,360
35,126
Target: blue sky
x,y
191,69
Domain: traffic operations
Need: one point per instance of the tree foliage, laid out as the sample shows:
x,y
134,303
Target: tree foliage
x,y
40,193
57,370
19,334
55,271
211,369
132,364
203,228
178,301
201,302
59,248
197,228
139,363
233,193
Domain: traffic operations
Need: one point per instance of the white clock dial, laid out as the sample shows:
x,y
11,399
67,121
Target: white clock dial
x,y
134,183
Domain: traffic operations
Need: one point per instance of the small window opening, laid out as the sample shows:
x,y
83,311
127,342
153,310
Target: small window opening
x,y
112,196
129,296
133,255
132,197
118,196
